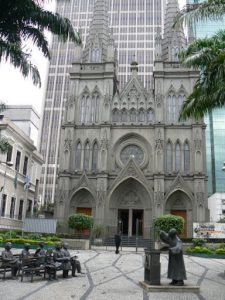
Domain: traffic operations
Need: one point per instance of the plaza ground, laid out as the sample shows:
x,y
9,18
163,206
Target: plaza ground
x,y
114,277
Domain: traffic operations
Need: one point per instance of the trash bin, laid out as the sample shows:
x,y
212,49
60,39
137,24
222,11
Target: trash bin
x,y
152,267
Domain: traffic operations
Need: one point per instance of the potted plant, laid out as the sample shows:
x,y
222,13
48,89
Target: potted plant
x,y
98,233
80,222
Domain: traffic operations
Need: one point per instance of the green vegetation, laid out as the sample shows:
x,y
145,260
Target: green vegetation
x,y
80,222
168,222
98,231
200,247
16,237
207,56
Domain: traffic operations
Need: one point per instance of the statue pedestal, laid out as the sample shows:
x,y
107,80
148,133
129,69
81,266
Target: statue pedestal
x,y
152,267
165,287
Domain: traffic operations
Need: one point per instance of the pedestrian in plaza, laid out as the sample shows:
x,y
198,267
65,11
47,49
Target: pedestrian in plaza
x,y
117,239
10,260
176,267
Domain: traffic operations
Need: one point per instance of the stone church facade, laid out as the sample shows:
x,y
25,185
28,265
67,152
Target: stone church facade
x,y
124,155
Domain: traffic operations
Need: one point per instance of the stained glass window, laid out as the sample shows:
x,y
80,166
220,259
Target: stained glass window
x,y
132,151
169,157
78,157
186,157
177,157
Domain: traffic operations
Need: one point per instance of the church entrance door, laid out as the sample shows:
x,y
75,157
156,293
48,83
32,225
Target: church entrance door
x,y
85,211
183,214
137,222
123,221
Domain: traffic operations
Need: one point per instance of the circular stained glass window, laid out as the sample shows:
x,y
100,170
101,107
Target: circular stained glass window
x,y
132,151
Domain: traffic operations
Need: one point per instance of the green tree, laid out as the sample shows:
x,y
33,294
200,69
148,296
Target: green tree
x,y
27,20
80,222
206,55
167,222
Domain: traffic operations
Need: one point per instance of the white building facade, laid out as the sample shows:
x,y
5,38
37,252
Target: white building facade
x,y
21,164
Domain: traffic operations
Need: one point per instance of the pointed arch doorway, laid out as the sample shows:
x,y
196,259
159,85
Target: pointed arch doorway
x,y
179,204
128,204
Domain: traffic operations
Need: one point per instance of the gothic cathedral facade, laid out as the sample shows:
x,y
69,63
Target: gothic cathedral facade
x,y
124,154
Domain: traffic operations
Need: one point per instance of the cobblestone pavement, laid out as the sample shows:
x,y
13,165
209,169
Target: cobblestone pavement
x,y
114,277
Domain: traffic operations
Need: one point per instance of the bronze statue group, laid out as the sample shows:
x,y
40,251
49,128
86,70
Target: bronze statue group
x,y
53,260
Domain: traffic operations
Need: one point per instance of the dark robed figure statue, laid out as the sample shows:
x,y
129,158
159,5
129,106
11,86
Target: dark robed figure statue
x,y
176,267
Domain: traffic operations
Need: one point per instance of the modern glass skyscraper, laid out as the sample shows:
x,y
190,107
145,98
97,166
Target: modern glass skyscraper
x,y
134,25
215,131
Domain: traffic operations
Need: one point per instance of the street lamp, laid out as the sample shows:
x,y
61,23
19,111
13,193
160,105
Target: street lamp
x,y
7,164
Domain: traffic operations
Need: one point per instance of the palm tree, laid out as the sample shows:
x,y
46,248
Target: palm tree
x,y
206,55
23,20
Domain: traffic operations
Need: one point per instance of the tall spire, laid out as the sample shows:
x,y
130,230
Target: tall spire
x,y
99,34
174,40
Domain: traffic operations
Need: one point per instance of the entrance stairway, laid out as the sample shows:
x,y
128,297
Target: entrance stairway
x,y
129,241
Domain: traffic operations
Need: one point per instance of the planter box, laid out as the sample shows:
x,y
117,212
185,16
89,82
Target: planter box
x,y
77,244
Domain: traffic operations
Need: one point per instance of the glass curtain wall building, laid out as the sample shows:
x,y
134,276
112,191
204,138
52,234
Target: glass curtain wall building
x,y
134,25
215,131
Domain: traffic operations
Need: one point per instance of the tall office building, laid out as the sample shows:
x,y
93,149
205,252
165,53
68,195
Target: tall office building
x,y
215,131
134,25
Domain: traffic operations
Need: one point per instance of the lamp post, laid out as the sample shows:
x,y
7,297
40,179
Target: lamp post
x,y
7,164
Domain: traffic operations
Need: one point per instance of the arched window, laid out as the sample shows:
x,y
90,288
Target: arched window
x,y
88,110
116,115
86,156
186,158
94,157
169,157
177,157
150,115
124,115
78,157
132,115
83,105
141,115
97,101
95,55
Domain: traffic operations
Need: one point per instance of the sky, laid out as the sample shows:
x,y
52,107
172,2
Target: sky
x,y
14,89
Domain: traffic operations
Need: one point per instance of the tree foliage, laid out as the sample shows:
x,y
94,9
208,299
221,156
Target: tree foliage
x,y
167,222
206,55
80,222
23,20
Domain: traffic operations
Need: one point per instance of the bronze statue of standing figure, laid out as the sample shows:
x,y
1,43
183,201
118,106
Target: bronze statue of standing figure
x,y
176,267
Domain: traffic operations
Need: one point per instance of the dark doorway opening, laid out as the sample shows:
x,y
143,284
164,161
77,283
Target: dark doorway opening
x,y
123,220
137,224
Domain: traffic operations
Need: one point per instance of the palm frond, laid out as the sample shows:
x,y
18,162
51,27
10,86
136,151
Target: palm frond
x,y
191,14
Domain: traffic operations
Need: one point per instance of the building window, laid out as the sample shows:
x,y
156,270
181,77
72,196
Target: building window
x,y
3,206
17,165
116,115
25,165
133,115
177,157
124,115
20,214
141,115
9,153
90,109
150,115
86,156
12,207
169,157
95,157
132,151
186,158
78,157
29,208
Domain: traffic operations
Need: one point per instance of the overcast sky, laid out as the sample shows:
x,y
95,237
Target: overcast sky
x,y
14,89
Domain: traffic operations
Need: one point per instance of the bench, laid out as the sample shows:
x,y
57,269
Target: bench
x,y
32,266
5,266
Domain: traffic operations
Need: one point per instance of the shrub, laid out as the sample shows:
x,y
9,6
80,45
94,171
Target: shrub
x,y
168,222
198,242
80,222
220,251
199,249
98,230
